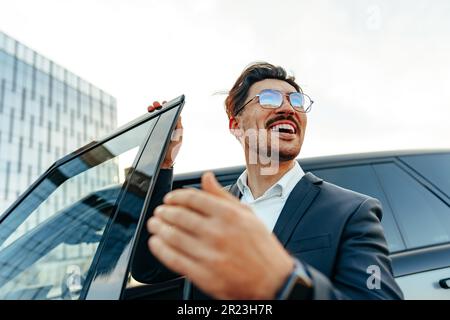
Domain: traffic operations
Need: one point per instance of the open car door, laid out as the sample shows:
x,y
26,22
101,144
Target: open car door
x,y
71,234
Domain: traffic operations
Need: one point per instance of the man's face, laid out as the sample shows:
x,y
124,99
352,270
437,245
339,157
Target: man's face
x,y
266,123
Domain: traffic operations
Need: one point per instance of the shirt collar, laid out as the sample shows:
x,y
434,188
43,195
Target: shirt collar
x,y
282,188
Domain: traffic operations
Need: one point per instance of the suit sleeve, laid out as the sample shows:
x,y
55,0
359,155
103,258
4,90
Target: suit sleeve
x,y
145,267
363,268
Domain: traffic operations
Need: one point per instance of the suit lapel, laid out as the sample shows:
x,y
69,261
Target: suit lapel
x,y
296,206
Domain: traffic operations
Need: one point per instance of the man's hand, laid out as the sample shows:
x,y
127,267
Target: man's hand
x,y
218,243
175,141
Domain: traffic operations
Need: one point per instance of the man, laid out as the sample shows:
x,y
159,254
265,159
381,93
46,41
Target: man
x,y
277,233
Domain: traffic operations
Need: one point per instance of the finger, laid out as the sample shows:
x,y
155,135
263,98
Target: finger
x,y
200,201
164,101
177,135
183,242
211,185
183,218
179,124
156,104
175,260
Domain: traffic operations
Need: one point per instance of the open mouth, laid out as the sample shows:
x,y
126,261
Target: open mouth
x,y
283,128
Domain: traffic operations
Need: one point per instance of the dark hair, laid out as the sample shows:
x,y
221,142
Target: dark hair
x,y
253,73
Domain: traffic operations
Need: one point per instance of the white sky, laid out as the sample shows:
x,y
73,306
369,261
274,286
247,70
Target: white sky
x,y
379,71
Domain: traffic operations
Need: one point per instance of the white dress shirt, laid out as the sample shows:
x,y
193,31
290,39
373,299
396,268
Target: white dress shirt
x,y
268,207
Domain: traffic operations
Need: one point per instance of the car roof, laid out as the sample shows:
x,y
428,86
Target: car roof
x,y
321,160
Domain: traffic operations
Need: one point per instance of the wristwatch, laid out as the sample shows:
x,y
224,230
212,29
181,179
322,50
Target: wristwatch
x,y
298,285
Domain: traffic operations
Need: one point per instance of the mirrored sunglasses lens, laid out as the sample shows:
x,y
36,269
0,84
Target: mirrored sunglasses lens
x,y
270,99
297,100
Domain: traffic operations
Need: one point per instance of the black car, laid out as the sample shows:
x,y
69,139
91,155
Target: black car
x,y
71,235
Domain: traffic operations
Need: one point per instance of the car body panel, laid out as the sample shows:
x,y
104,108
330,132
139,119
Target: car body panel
x,y
425,285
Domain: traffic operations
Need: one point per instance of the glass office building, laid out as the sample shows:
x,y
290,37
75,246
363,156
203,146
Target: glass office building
x,y
46,112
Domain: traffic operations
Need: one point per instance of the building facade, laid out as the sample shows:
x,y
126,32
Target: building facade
x,y
46,112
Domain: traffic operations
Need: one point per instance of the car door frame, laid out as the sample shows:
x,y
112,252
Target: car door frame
x,y
145,161
111,286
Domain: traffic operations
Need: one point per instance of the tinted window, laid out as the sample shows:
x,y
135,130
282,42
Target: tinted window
x,y
48,241
363,179
423,218
434,167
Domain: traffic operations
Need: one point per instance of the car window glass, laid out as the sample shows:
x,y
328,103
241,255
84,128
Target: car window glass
x,y
362,179
49,240
434,167
422,217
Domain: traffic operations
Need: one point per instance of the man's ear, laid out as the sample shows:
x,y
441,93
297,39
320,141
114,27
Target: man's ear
x,y
233,125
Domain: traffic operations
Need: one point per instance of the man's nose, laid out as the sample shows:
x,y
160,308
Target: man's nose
x,y
285,107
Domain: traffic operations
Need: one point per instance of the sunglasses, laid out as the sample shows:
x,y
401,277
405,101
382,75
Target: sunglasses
x,y
272,99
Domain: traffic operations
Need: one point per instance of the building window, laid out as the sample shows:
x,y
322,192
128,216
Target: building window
x,y
50,85
72,122
2,95
96,130
11,125
49,136
33,78
30,145
113,116
30,175
41,112
101,113
65,95
65,140
78,139
24,99
8,172
19,162
58,116
39,164
15,67
85,128
78,104
91,107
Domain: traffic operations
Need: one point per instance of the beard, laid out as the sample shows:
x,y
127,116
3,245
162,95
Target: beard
x,y
283,153
271,150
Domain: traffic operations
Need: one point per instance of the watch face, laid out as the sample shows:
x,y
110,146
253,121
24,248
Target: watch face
x,y
298,286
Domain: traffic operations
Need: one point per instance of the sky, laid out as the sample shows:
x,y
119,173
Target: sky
x,y
378,71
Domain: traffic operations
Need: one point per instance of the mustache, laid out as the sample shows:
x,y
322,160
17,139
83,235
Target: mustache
x,y
279,118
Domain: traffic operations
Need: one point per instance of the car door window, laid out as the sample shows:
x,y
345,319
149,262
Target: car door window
x,y
112,267
49,239
362,179
433,167
423,218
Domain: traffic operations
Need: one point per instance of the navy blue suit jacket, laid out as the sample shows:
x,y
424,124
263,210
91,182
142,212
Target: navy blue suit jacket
x,y
336,233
